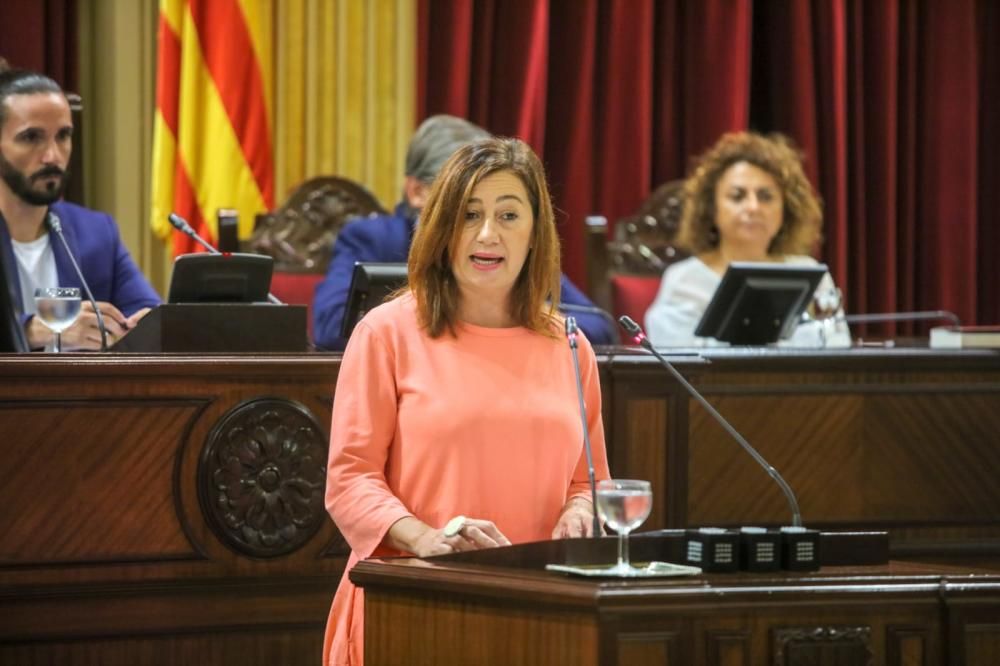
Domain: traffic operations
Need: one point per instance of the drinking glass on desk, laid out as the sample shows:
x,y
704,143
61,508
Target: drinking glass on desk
x,y
57,308
623,505
826,306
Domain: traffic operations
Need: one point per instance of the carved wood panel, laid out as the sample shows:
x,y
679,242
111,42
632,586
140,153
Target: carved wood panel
x,y
262,475
906,646
728,648
657,648
834,645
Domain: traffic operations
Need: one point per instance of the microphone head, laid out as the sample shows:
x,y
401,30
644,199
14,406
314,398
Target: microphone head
x,y
178,222
55,224
629,325
571,327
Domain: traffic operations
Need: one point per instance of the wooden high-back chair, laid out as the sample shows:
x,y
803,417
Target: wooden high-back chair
x,y
300,234
624,273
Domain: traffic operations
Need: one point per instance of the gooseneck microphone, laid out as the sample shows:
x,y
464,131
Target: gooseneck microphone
x,y
181,225
571,333
634,330
55,224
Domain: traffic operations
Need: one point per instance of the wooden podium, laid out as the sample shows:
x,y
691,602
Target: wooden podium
x,y
502,607
218,327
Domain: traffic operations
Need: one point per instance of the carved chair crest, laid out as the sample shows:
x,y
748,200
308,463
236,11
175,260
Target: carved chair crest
x,y
643,243
300,234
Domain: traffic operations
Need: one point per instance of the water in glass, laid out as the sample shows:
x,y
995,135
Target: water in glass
x,y
624,510
623,504
57,308
58,312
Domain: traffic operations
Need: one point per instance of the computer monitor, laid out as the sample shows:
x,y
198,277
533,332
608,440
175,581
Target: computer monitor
x,y
371,283
221,278
759,303
11,332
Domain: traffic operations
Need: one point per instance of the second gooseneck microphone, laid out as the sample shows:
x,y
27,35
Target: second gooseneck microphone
x,y
635,331
571,333
182,225
55,224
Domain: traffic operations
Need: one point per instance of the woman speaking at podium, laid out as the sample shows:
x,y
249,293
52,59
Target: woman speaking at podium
x,y
456,423
748,199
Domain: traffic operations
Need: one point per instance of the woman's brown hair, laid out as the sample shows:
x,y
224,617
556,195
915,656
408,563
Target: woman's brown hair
x,y
776,154
535,295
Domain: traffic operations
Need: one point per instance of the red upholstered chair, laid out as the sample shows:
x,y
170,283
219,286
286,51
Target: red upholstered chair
x,y
624,274
300,234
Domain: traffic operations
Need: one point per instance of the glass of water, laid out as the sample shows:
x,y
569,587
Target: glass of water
x,y
623,505
57,308
826,306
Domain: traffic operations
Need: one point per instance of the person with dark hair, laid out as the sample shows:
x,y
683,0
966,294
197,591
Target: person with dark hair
x,y
387,238
456,423
748,199
36,139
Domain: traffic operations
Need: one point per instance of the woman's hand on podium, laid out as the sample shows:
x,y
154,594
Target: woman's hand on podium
x,y
414,536
576,519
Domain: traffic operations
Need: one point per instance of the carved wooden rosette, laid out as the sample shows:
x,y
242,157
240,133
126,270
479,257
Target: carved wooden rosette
x,y
261,477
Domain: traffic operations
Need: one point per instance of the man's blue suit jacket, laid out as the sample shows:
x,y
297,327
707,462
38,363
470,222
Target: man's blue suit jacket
x,y
387,238
105,262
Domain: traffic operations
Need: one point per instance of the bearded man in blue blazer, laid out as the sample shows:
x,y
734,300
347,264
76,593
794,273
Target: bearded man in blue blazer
x,y
36,139
387,238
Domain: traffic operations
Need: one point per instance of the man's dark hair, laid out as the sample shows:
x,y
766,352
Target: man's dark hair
x,y
23,82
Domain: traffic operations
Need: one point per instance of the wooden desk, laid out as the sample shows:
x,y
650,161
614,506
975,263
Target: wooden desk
x,y
165,509
903,440
140,519
444,611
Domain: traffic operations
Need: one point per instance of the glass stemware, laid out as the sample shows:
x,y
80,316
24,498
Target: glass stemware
x,y
826,306
623,505
57,308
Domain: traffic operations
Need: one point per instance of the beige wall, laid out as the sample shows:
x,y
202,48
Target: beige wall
x,y
118,84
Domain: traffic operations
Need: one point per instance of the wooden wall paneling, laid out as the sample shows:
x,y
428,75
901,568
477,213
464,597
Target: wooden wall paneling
x,y
907,646
728,648
437,630
902,440
973,626
648,430
111,556
649,647
291,645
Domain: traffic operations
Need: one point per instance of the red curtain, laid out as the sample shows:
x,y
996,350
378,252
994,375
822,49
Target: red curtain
x,y
891,101
41,36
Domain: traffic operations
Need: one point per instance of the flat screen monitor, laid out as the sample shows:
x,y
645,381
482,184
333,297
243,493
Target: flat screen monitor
x,y
221,278
371,283
11,333
759,303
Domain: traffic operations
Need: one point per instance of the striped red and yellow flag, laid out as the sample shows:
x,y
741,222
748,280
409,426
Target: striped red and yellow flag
x,y
212,130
